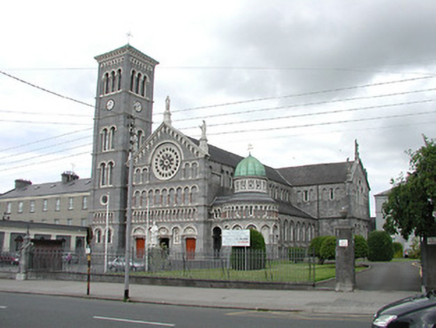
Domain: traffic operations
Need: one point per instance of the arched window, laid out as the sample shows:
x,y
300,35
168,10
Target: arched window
x,y
103,178
106,83
119,80
138,82
111,138
113,81
97,234
110,167
104,140
142,86
109,236
132,80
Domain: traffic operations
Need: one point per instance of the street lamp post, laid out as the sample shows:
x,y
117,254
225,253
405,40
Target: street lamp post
x,y
129,211
106,233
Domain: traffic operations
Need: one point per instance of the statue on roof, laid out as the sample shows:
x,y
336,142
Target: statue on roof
x,y
356,149
167,113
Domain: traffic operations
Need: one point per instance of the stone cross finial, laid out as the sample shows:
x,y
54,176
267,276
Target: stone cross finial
x,y
250,148
129,36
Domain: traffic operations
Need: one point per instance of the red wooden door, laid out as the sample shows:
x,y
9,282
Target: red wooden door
x,y
140,248
190,248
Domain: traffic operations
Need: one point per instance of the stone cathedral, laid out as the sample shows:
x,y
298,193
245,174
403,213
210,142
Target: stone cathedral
x,y
185,191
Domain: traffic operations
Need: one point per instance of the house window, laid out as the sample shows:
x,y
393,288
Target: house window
x,y
70,203
84,222
56,221
69,222
20,207
32,206
85,203
8,208
58,204
44,205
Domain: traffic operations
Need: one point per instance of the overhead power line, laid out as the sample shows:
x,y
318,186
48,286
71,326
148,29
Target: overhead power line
x,y
308,104
308,93
322,123
45,90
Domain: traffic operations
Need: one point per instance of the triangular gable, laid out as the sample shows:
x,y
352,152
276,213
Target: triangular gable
x,y
175,134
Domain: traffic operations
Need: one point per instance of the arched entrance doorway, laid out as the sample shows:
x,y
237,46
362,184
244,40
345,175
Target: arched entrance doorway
x,y
190,248
140,248
216,235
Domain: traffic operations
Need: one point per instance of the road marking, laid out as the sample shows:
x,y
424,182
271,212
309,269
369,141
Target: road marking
x,y
3,307
136,321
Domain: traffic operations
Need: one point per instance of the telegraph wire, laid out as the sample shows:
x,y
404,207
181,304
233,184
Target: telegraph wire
x,y
308,93
308,104
321,124
46,139
43,148
321,113
46,154
43,162
45,90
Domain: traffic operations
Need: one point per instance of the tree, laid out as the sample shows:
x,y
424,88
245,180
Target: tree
x,y
411,201
380,246
360,247
328,248
315,247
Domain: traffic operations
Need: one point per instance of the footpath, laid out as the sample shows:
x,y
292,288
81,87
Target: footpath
x,y
320,300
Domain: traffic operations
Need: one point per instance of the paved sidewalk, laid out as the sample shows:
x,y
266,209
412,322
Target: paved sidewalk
x,y
316,301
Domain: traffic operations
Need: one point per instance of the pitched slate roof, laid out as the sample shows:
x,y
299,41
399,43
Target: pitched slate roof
x,y
316,174
50,188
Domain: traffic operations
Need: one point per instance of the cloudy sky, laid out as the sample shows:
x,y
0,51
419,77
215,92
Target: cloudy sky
x,y
299,80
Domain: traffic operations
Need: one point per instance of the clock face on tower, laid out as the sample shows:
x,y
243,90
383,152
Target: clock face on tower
x,y
166,161
137,106
110,104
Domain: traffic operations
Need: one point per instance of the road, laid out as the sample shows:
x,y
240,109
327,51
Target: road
x,y
390,276
26,310
386,276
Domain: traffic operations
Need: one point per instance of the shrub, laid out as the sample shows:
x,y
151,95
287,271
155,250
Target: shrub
x,y
360,247
315,247
254,257
328,248
380,246
398,250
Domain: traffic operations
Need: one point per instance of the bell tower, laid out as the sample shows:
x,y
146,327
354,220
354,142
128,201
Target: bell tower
x,y
124,97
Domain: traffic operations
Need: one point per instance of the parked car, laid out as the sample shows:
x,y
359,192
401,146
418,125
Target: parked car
x,y
412,312
118,264
10,258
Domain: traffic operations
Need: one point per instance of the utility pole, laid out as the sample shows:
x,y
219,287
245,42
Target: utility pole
x,y
106,233
129,210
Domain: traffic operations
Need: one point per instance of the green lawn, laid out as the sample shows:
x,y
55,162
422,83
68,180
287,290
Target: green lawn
x,y
274,272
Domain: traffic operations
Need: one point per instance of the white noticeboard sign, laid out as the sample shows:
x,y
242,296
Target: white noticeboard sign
x,y
343,242
236,238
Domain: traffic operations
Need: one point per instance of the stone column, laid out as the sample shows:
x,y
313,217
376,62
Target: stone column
x,y
428,260
345,272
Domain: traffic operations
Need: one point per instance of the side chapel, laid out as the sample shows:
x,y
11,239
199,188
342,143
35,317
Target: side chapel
x,y
188,191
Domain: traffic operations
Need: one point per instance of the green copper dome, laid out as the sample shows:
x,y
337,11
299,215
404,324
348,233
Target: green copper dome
x,y
250,166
